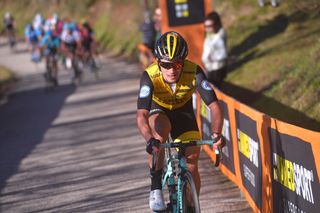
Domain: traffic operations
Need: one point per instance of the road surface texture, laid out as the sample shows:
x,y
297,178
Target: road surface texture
x,y
77,148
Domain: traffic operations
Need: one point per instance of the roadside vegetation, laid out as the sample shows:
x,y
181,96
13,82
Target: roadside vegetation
x,y
274,52
6,80
5,74
115,22
275,56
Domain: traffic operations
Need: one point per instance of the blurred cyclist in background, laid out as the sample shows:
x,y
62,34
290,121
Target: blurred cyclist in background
x,y
88,43
50,45
71,46
8,22
38,23
33,37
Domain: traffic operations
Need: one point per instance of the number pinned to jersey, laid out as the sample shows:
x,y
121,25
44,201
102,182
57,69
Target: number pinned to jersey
x,y
205,85
144,91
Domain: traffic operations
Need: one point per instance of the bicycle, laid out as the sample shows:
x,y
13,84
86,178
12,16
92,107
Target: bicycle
x,y
76,64
11,38
72,61
91,64
178,179
51,73
35,53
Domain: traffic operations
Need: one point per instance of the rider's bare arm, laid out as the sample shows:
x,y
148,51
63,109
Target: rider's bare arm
x,y
143,123
216,117
209,97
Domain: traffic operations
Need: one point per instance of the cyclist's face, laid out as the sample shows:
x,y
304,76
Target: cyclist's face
x,y
209,26
170,70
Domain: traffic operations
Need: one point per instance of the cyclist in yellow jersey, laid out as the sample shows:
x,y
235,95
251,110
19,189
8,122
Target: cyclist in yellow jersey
x,y
165,107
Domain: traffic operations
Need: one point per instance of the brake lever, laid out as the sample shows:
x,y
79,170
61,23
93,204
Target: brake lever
x,y
218,152
218,156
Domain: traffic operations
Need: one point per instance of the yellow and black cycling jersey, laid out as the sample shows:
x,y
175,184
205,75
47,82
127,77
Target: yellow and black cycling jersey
x,y
157,96
153,88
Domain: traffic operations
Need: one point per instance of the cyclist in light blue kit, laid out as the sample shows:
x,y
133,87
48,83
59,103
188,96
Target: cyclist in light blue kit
x,y
50,45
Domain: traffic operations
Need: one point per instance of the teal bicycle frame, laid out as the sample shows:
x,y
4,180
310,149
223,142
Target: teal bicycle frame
x,y
176,170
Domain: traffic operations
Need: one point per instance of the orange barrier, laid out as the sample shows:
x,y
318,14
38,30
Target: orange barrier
x,y
276,165
186,17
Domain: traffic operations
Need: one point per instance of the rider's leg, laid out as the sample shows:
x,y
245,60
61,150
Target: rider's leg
x,y
47,62
74,64
186,129
160,126
55,69
55,66
192,155
11,36
47,73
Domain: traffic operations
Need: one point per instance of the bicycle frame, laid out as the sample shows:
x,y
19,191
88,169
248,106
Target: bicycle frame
x,y
51,68
173,177
170,177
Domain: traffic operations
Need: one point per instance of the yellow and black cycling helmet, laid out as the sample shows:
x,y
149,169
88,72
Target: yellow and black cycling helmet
x,y
171,47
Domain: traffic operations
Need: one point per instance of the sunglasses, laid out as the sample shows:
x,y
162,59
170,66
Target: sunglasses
x,y
170,65
208,26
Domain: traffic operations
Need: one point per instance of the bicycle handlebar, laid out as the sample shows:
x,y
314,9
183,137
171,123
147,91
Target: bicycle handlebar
x,y
189,144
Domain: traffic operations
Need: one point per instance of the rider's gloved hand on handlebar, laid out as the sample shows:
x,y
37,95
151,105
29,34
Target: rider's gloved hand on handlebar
x,y
220,141
153,145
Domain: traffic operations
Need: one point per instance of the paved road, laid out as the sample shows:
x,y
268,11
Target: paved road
x,y
77,149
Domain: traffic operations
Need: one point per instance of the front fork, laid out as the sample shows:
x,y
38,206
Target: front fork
x,y
183,166
174,187
173,195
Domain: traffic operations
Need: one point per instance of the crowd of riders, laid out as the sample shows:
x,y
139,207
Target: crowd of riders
x,y
54,38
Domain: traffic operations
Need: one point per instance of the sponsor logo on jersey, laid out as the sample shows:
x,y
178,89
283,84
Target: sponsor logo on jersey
x,y
205,85
144,91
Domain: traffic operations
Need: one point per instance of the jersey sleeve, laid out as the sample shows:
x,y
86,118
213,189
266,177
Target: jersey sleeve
x,y
145,92
203,87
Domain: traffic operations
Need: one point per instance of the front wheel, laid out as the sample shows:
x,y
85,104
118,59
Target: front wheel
x,y
190,201
77,78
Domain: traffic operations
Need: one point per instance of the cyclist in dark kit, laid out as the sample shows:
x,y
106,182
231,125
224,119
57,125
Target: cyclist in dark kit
x,y
165,107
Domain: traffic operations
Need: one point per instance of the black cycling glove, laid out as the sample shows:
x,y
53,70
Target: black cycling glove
x,y
153,145
217,137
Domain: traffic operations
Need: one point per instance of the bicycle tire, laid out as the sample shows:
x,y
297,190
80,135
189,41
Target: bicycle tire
x,y
189,186
93,67
77,72
48,75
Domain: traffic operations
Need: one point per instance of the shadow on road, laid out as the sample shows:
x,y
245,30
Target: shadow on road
x,y
23,123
